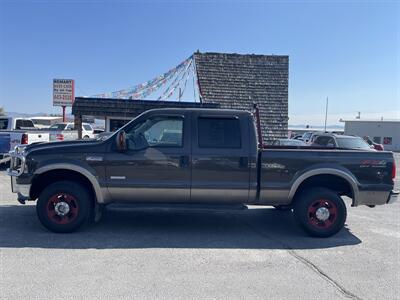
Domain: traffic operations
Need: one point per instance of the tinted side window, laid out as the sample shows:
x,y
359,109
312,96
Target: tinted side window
x,y
87,127
219,133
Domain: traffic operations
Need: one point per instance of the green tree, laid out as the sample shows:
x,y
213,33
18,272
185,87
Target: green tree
x,y
2,112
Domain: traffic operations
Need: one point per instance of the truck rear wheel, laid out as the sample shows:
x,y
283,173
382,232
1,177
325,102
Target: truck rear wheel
x,y
320,212
64,206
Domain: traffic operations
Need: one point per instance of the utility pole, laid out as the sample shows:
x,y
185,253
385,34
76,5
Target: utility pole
x,y
326,112
63,114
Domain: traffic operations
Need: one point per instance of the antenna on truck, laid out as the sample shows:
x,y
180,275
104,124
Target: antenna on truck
x,y
256,115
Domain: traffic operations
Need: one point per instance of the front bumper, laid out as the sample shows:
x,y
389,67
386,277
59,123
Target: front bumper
x,y
22,190
16,169
393,197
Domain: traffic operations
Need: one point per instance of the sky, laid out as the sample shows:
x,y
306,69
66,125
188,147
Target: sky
x,y
348,51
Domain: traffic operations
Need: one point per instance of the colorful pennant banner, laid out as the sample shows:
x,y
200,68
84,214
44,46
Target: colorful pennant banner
x,y
144,89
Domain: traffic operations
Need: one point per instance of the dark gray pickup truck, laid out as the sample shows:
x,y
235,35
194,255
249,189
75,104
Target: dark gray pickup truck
x,y
197,156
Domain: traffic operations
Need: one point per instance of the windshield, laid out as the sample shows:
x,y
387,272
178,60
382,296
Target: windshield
x,y
352,143
58,127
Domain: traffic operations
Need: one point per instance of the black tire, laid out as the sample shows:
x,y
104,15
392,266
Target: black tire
x,y
85,137
328,204
71,194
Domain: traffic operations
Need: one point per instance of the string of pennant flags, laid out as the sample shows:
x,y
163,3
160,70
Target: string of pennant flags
x,y
172,79
175,83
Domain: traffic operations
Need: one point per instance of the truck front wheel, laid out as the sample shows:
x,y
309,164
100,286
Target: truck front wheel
x,y
320,212
63,206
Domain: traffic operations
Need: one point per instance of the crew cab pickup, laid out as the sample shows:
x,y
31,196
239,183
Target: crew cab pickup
x,y
17,131
197,156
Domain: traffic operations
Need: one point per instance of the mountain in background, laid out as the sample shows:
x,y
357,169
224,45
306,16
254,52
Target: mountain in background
x,y
27,115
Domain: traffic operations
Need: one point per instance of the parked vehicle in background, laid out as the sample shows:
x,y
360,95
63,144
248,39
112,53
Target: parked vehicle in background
x,y
370,142
67,132
18,131
197,157
45,122
307,136
297,137
314,135
97,131
289,142
330,140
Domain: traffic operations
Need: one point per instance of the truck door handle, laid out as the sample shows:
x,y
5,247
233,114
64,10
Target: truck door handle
x,y
184,161
243,162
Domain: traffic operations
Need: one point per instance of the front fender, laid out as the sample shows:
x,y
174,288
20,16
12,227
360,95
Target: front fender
x,y
86,171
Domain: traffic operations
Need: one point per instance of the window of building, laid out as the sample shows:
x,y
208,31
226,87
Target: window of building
x,y
387,140
116,124
219,133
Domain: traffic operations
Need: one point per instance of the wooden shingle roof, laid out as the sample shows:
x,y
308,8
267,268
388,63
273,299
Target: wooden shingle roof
x,y
101,107
238,81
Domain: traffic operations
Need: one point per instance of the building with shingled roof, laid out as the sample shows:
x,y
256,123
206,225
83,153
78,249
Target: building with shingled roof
x,y
224,80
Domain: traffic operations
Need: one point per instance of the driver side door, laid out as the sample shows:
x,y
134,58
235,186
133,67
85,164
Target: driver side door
x,y
156,165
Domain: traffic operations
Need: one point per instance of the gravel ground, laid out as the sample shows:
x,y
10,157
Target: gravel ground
x,y
255,253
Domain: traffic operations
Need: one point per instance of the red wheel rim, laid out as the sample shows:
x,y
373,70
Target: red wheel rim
x,y
322,213
62,208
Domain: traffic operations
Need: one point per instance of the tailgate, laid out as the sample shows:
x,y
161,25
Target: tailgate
x,y
36,137
65,135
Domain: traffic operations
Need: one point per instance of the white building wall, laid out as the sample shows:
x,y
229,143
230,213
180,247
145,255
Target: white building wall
x,y
376,129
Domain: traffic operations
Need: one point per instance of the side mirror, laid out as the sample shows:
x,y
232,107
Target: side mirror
x,y
121,141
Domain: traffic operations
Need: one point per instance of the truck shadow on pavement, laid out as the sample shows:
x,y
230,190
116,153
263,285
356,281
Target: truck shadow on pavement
x,y
261,228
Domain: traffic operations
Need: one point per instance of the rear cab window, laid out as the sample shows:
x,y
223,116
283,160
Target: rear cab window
x,y
21,124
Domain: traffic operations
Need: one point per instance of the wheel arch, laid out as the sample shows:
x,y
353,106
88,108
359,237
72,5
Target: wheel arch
x,y
56,172
326,177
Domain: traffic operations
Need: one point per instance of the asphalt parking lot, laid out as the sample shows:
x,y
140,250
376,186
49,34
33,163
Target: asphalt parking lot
x,y
255,253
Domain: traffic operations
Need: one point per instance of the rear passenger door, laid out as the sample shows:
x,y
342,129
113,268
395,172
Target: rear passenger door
x,y
220,158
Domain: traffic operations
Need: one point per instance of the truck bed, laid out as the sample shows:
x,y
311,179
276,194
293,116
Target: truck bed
x,y
283,171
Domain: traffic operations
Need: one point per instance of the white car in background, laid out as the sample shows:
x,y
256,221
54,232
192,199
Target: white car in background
x,y
67,132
